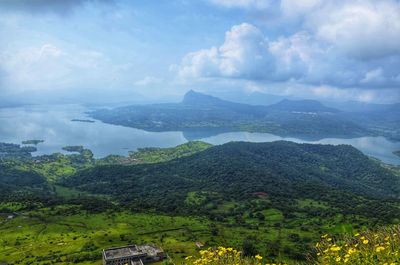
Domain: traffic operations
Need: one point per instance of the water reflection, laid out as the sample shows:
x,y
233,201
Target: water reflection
x,y
53,124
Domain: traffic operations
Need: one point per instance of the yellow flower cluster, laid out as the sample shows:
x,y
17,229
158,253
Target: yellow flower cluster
x,y
381,248
224,256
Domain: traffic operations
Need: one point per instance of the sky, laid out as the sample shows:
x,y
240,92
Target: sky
x,y
131,50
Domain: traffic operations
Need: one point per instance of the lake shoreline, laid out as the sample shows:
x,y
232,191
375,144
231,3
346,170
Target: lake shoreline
x,y
53,125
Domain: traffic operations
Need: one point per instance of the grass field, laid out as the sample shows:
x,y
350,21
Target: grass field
x,y
41,237
66,235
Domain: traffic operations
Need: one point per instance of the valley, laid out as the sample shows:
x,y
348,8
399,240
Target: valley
x,y
71,206
210,132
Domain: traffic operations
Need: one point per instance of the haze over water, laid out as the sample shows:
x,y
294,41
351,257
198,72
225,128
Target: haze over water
x,y
53,124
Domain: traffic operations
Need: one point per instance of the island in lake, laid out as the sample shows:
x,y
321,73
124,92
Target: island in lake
x,y
34,142
15,151
83,120
73,148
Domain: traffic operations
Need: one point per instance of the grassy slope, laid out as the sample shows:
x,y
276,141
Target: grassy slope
x,y
64,230
157,155
44,235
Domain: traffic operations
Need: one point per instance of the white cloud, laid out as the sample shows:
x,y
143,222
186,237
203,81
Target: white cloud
x,y
296,8
51,67
294,55
148,80
363,95
375,75
200,63
248,4
361,29
332,43
244,54
33,65
247,54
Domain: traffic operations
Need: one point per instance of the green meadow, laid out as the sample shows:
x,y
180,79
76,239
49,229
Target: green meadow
x,y
67,235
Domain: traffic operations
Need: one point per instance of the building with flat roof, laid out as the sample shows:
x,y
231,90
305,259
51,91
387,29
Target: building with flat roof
x,y
132,255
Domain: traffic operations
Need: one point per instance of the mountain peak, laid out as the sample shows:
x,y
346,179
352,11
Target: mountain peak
x,y
306,105
196,98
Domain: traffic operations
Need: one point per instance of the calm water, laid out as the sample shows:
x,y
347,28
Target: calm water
x,y
53,124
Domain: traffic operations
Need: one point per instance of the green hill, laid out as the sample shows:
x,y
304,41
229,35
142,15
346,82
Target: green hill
x,y
280,172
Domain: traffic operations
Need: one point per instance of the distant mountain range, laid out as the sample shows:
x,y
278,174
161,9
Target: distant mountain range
x,y
193,98
264,99
298,118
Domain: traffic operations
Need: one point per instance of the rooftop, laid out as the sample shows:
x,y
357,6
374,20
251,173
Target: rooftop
x,y
150,250
121,252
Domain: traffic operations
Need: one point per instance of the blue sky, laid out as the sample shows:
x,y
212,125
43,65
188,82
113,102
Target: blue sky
x,y
120,50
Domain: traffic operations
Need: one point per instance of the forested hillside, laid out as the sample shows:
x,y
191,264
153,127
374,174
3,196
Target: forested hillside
x,y
18,183
281,172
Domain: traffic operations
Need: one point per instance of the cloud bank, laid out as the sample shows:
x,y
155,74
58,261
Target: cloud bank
x,y
341,44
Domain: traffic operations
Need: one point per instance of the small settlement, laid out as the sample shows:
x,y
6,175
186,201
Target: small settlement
x,y
133,255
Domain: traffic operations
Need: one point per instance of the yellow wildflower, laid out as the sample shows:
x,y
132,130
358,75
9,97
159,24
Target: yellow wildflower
x,y
379,249
335,248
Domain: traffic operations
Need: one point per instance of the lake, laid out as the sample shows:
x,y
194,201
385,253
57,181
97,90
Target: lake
x,y
53,124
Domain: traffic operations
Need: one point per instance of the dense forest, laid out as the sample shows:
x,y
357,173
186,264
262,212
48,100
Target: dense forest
x,y
281,172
